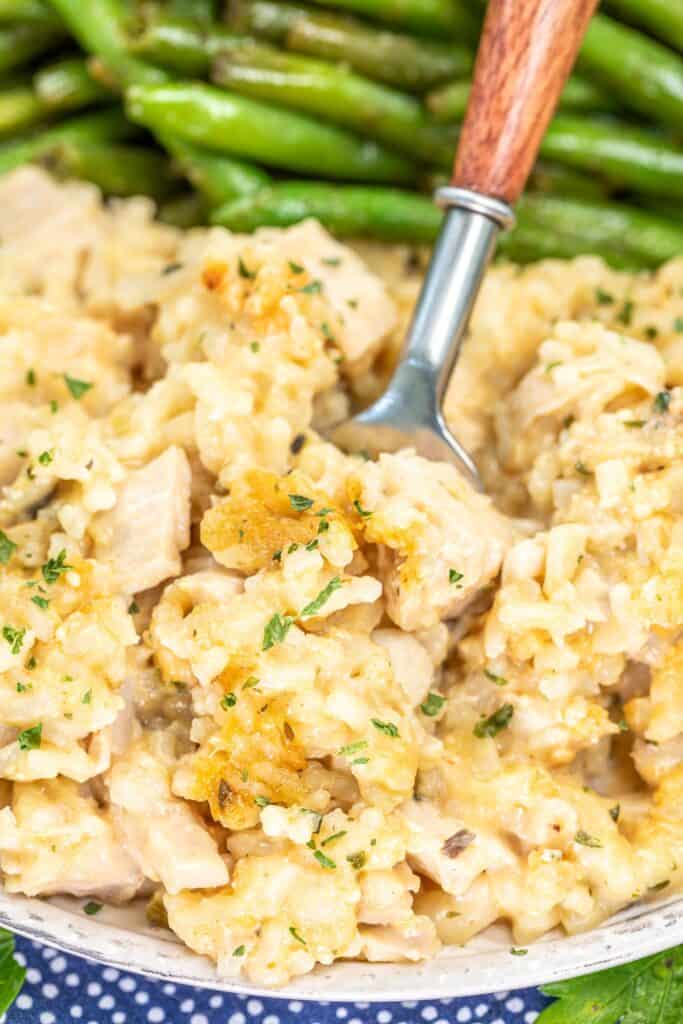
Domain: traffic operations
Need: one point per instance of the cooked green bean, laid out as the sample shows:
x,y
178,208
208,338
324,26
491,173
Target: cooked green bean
x,y
217,177
348,210
68,85
645,75
390,57
663,18
449,103
20,43
554,179
119,170
98,25
185,211
623,155
452,18
37,11
104,126
332,93
242,127
529,243
181,44
20,108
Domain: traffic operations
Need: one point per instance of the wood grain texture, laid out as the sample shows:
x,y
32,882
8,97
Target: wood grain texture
x,y
526,52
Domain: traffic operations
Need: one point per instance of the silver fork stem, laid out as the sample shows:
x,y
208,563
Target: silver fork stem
x,y
459,260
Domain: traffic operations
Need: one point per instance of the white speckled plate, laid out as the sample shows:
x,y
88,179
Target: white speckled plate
x,y
122,938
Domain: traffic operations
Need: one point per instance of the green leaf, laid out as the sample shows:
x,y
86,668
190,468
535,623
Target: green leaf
x,y
77,387
7,548
388,728
276,630
11,973
30,739
299,502
492,725
54,567
648,991
314,606
432,705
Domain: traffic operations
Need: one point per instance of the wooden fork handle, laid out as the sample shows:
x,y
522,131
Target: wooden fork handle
x,y
526,52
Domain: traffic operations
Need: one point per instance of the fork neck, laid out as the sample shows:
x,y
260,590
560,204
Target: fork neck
x,y
460,257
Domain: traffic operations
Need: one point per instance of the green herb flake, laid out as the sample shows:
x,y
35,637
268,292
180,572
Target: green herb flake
x,y
551,366
41,602
625,314
498,680
388,728
352,748
327,331
651,332
31,378
276,630
133,608
55,567
662,401
296,268
91,908
324,861
313,287
584,839
454,576
331,261
333,838
54,406
614,812
583,469
254,346
299,502
45,458
603,298
87,697
261,801
518,952
76,387
7,548
228,701
314,606
312,544
432,705
244,270
634,424
660,885
30,739
495,723
239,951
678,324
295,935
357,860
31,663
14,637
323,526
361,760
360,510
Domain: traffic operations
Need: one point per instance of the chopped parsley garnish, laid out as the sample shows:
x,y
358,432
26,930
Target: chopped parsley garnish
x,y
14,637
603,298
31,378
614,812
291,548
432,705
323,860
583,469
660,885
495,723
634,423
87,697
584,839
313,607
277,555
313,287
261,801
170,268
77,387
54,567
678,324
296,268
388,728
498,680
454,576
31,663
91,908
250,683
228,701
276,630
352,748
299,502
312,544
357,860
297,444
662,401
625,314
41,602
295,935
21,688
54,406
361,760
7,548
323,526
333,837
254,346
331,261
133,608
45,458
239,951
651,332
519,952
327,330
551,366
30,739
244,270
360,510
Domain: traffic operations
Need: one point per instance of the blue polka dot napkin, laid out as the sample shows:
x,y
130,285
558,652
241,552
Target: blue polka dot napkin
x,y
64,989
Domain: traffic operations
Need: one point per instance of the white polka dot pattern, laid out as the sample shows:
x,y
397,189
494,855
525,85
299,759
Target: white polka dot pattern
x,y
61,989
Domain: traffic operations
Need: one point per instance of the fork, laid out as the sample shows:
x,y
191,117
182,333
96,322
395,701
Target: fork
x,y
526,52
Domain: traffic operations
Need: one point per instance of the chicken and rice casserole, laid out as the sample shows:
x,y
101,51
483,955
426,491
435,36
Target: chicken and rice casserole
x,y
306,705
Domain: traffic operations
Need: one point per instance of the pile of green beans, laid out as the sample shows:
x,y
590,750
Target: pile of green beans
x,y
249,113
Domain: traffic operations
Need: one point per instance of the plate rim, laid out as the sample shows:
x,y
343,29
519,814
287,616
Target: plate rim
x,y
642,930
